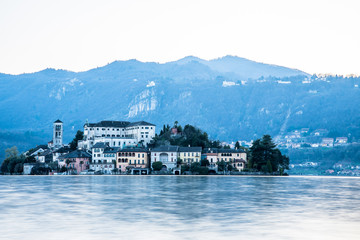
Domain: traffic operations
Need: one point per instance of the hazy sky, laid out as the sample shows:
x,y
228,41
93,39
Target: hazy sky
x,y
317,36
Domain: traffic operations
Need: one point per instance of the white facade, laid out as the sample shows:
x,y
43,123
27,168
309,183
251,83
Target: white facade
x,y
167,155
103,158
57,134
117,134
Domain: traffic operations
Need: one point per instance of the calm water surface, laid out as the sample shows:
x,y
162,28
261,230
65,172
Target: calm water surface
x,y
173,207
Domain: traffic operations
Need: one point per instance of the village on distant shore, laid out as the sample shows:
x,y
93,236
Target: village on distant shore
x,y
122,147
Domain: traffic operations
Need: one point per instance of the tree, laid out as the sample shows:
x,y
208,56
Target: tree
x,y
157,166
63,169
269,167
265,157
12,159
237,145
79,136
194,167
221,165
68,161
178,162
11,152
19,167
204,162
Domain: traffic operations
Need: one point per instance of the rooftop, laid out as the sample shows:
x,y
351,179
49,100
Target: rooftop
x,y
190,149
76,154
166,149
118,124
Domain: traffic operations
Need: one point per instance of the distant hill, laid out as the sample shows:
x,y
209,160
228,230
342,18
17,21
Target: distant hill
x,y
231,98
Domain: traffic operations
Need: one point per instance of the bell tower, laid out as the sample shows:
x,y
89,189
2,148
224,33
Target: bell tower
x,y
57,133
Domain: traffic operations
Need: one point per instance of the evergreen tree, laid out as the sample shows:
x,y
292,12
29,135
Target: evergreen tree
x,y
265,157
79,136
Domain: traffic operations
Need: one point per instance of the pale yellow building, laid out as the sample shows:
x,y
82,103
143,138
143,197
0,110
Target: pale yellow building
x,y
132,157
190,154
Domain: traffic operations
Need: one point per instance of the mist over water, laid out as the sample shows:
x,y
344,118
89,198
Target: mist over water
x,y
176,207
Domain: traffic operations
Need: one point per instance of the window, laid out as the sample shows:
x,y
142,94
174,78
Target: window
x,y
151,127
138,161
146,136
142,155
142,161
97,129
138,154
146,127
129,161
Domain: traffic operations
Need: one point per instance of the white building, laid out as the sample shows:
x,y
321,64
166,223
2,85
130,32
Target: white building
x,y
57,134
166,154
103,158
117,134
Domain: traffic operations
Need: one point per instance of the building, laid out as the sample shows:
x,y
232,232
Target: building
x,y
341,140
37,150
327,142
76,161
103,158
60,152
57,140
45,157
167,155
27,168
211,154
236,157
119,134
133,158
190,154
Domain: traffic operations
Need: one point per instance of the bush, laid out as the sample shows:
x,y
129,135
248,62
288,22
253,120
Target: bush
x,y
157,166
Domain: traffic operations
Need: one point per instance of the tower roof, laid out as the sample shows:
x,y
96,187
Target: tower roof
x,y
58,121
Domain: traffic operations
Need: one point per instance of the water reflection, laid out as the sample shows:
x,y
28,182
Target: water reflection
x,y
172,207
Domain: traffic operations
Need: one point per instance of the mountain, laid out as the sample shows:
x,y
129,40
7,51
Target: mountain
x,y
231,98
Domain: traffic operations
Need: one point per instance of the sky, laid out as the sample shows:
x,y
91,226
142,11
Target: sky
x,y
316,36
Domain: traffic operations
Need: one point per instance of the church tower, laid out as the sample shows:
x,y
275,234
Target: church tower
x,y
58,133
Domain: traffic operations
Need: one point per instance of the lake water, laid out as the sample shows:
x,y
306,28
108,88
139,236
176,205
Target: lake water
x,y
177,207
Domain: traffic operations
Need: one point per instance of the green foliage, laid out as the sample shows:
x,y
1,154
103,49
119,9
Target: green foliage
x,y
221,165
204,162
178,162
79,136
196,168
203,170
189,136
265,157
157,166
269,166
13,163
63,169
185,168
39,169
11,152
